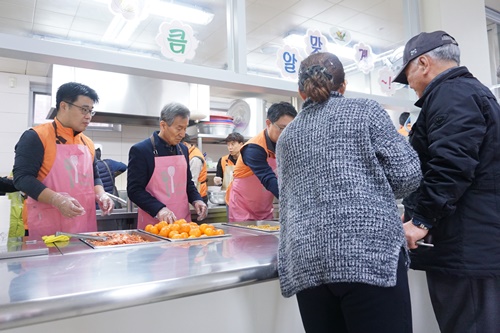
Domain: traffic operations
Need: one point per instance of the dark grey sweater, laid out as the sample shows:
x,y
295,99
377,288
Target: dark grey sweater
x,y
341,165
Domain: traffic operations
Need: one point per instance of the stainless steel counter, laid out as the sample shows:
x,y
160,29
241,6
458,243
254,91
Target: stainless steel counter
x,y
78,280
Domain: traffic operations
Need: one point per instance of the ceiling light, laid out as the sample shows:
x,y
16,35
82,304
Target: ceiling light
x,y
121,28
178,11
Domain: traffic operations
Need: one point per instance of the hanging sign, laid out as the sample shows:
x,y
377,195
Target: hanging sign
x,y
288,61
315,42
340,36
177,41
363,56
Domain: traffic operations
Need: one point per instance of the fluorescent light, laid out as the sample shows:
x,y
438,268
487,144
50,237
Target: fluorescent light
x,y
180,12
120,29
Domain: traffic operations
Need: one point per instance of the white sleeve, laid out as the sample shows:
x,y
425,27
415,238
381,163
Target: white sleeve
x,y
195,165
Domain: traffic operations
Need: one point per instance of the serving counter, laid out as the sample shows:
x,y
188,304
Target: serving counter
x,y
214,285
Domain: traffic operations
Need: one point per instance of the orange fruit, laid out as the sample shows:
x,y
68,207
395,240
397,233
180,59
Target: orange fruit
x,y
161,224
209,231
218,232
182,221
185,227
148,228
164,231
196,232
154,230
172,233
184,235
194,224
177,236
203,226
175,227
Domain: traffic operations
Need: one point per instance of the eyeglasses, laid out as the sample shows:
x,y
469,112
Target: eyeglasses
x,y
85,111
280,128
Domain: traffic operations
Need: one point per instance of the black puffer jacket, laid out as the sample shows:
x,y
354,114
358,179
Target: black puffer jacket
x,y
457,137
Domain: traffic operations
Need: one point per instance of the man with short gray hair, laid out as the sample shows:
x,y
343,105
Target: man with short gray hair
x,y
159,180
457,137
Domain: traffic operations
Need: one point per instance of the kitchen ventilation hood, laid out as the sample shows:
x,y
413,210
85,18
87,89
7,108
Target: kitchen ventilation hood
x,y
132,100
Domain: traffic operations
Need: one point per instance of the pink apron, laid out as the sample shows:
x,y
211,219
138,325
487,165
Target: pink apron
x,y
168,185
249,200
72,173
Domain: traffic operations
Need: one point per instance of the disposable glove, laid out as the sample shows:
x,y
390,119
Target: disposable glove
x,y
201,209
67,205
218,181
166,215
105,203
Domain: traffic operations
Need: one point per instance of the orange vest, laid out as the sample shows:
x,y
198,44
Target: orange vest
x,y
47,136
202,178
225,161
241,170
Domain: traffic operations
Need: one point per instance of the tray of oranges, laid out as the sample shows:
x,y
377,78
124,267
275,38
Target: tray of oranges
x,y
181,231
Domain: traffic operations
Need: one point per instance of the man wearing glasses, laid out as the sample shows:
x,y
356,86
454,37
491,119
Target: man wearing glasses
x,y
55,166
254,186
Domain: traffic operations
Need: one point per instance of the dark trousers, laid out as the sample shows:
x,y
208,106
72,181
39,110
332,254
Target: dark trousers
x,y
465,305
358,307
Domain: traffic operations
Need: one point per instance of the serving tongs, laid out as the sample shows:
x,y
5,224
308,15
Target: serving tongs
x,y
82,236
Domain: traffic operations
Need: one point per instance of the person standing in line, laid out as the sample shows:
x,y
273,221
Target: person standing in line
x,y
225,165
404,123
198,167
254,186
457,137
54,165
342,248
159,180
108,170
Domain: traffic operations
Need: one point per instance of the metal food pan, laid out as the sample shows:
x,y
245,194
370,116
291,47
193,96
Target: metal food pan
x,y
149,238
189,239
248,225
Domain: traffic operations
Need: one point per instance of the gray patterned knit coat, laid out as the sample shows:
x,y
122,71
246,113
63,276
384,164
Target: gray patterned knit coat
x,y
341,165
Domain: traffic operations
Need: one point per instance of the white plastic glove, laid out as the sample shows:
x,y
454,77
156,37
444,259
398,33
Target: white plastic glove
x,y
201,209
105,203
67,205
218,181
166,215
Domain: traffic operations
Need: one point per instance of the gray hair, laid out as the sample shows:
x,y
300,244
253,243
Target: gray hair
x,y
448,52
172,111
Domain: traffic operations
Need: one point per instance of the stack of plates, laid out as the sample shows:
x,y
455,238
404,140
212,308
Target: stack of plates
x,y
221,119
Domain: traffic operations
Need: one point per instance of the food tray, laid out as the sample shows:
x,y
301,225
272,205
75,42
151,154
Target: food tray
x,y
188,239
150,238
247,224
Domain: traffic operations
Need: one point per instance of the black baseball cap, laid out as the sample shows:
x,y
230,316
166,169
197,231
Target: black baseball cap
x,y
420,44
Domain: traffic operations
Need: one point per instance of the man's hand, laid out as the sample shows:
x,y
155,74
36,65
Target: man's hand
x,y
105,203
67,205
201,209
166,215
218,181
413,234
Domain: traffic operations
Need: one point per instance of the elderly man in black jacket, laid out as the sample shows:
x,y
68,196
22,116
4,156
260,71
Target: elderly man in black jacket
x,y
457,137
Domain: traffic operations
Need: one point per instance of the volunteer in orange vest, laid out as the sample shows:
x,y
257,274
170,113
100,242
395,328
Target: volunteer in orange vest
x,y
254,186
225,166
55,166
158,178
198,167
